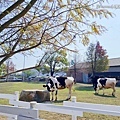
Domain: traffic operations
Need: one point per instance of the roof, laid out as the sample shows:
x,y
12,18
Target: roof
x,y
80,65
112,62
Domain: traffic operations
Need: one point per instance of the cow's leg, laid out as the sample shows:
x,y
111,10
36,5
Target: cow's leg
x,y
52,96
103,91
69,95
56,92
97,90
113,93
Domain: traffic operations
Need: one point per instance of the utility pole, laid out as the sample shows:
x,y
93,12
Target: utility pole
x,y
23,75
75,68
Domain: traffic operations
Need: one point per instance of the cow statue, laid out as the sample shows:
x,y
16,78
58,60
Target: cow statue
x,y
103,83
55,83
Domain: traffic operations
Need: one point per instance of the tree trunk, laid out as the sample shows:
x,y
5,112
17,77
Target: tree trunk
x,y
94,70
52,72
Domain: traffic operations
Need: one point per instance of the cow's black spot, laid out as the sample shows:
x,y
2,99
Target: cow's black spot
x,y
49,86
51,83
103,81
56,85
61,81
94,81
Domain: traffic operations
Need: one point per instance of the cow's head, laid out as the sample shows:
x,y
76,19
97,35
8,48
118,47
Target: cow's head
x,y
94,81
49,85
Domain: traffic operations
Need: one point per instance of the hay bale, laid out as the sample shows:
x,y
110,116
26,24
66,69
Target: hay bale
x,y
34,95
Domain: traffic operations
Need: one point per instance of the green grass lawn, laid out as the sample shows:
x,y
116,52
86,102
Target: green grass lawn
x,y
83,92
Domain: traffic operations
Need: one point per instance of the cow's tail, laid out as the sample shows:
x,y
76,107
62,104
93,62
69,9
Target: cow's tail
x,y
117,80
73,88
74,81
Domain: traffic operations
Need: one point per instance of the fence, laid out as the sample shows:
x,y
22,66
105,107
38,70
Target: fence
x,y
93,108
15,112
30,110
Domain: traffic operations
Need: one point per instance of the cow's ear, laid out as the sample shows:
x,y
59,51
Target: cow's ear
x,y
44,85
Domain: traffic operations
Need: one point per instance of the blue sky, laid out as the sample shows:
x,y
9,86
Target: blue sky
x,y
110,40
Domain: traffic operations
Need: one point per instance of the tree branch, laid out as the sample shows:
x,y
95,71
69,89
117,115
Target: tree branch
x,y
12,7
6,24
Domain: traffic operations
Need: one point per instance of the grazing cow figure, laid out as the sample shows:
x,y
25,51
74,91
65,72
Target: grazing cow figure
x,y
103,83
55,83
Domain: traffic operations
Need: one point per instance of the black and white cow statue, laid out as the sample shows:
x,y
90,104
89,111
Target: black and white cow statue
x,y
55,83
103,83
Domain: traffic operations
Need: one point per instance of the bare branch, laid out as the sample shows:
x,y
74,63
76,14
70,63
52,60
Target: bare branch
x,y
2,27
12,7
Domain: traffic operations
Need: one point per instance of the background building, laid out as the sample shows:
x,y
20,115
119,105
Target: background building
x,y
81,74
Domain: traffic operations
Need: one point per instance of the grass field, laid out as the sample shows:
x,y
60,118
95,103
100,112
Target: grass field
x,y
83,92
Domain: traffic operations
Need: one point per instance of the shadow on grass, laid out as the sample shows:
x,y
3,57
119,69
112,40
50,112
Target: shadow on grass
x,y
84,88
60,101
105,95
42,82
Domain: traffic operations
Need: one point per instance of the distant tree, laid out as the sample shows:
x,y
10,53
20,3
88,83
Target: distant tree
x,y
44,69
3,69
97,58
27,73
55,62
10,66
32,72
